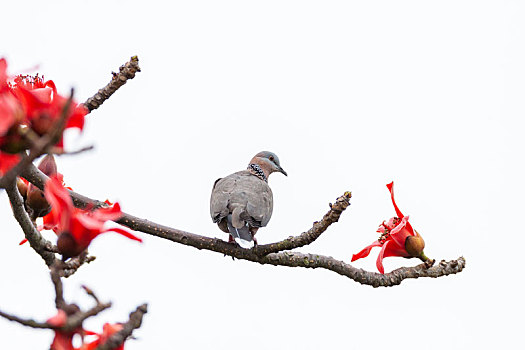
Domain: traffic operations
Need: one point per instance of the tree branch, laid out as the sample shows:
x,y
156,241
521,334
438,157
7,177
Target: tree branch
x,y
126,71
35,239
286,258
72,265
373,279
75,321
57,282
312,234
28,323
135,321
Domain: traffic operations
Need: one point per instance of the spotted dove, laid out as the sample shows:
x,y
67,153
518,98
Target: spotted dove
x,y
242,202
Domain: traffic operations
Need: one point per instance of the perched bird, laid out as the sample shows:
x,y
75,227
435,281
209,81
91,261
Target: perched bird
x,y
242,202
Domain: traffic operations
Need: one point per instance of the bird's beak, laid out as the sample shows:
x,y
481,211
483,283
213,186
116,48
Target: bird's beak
x,y
281,170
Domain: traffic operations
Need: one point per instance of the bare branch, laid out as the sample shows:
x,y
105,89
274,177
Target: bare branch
x,y
126,71
135,320
35,239
90,292
286,258
28,323
57,282
75,321
72,265
373,279
312,234
71,153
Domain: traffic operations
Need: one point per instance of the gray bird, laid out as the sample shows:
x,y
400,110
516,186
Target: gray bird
x,y
242,202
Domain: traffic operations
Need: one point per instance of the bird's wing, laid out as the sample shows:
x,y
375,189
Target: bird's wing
x,y
220,197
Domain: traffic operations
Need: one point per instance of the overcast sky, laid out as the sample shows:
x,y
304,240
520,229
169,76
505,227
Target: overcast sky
x,y
350,95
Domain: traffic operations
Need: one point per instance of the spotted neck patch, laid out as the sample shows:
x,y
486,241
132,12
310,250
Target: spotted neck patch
x,y
256,170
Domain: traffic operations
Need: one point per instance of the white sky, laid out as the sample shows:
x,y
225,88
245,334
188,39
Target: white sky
x,y
350,95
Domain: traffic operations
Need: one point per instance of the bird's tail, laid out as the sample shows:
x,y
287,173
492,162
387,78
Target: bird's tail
x,y
242,235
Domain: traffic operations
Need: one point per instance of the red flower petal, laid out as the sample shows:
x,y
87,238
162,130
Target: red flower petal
x,y
76,119
3,73
7,161
59,319
60,200
7,112
43,94
364,253
394,250
400,233
379,262
390,187
125,233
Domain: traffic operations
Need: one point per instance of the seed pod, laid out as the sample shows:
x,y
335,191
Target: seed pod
x,y
414,245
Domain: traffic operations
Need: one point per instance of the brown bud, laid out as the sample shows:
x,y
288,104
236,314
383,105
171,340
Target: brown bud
x,y
42,124
414,245
37,201
13,142
48,165
67,246
71,309
22,187
35,197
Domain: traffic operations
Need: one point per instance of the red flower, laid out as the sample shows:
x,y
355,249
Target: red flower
x,y
43,106
8,119
398,238
62,340
107,331
7,161
76,228
32,102
8,111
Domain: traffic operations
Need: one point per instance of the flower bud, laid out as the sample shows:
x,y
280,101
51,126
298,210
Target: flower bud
x,y
48,165
35,197
37,201
22,187
42,124
67,246
13,142
414,245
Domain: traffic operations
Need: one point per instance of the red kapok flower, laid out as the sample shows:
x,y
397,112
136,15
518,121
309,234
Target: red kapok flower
x,y
30,105
8,120
62,340
7,161
107,331
398,238
76,228
43,106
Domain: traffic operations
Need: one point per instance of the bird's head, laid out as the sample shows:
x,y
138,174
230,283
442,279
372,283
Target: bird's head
x,y
269,163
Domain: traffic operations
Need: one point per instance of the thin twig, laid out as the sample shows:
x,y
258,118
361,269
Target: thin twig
x,y
72,265
73,153
90,292
26,322
126,71
312,234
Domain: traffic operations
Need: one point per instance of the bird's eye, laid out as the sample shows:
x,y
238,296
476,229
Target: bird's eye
x,y
271,158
